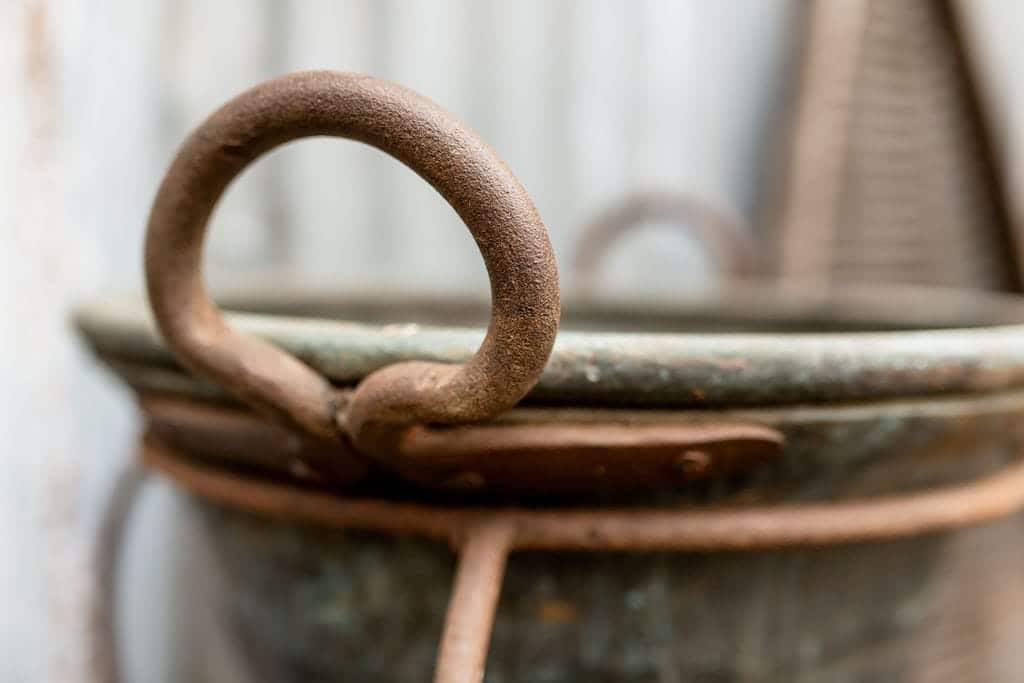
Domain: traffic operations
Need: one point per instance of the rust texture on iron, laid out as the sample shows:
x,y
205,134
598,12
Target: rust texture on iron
x,y
691,529
721,233
233,437
567,455
465,171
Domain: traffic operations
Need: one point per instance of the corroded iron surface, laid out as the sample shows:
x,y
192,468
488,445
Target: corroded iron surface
x,y
318,600
839,443
534,457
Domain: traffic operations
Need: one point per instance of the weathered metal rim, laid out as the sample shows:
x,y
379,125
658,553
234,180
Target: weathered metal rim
x,y
668,370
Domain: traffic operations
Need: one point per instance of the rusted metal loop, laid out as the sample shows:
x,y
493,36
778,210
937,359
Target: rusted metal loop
x,y
497,210
722,233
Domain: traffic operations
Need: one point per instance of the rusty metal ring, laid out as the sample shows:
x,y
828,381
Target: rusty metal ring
x,y
719,231
497,210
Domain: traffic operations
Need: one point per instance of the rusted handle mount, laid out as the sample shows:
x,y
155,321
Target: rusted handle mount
x,y
468,174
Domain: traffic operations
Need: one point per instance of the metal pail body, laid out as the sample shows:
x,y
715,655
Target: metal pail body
x,y
870,414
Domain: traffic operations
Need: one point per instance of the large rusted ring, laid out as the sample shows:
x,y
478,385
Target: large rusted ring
x,y
469,175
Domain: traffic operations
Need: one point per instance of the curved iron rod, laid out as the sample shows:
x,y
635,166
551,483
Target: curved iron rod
x,y
106,571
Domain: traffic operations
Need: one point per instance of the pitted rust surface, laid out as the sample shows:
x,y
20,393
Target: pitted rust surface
x,y
496,209
525,457
566,458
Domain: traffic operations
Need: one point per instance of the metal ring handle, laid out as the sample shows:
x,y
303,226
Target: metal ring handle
x,y
721,232
497,210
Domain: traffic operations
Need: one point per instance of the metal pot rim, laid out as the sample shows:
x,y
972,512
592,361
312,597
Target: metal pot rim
x,y
960,343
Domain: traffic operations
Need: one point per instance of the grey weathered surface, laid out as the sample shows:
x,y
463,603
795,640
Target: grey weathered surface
x,y
908,611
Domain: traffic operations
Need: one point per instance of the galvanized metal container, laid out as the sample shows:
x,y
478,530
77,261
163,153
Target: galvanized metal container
x,y
771,486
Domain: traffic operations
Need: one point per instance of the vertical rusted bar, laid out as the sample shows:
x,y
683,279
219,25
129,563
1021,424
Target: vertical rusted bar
x,y
467,629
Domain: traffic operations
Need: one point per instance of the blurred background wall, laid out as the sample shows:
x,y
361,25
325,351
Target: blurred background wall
x,y
587,101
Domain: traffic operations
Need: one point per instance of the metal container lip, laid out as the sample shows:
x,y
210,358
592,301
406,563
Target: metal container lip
x,y
957,343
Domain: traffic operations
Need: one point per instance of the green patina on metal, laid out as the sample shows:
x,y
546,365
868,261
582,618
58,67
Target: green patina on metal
x,y
655,368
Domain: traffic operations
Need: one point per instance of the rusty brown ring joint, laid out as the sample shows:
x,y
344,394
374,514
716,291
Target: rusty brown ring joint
x,y
497,210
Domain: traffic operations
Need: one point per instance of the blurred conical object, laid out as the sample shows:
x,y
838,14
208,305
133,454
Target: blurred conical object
x,y
889,171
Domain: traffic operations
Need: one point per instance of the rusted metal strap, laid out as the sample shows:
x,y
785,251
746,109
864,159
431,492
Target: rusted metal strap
x,y
628,529
507,456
